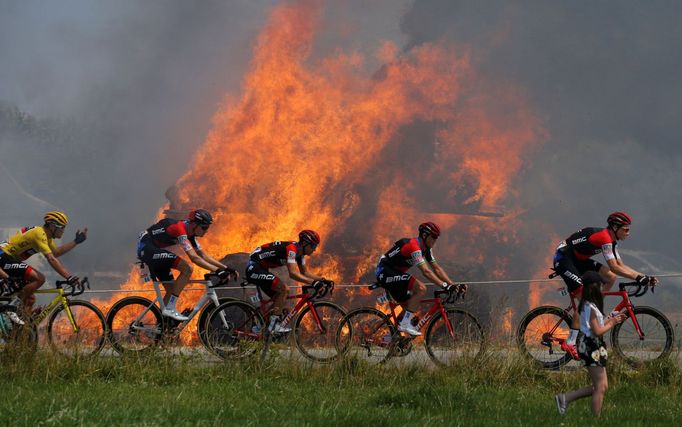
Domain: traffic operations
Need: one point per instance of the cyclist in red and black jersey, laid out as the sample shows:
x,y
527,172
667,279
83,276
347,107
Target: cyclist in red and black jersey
x,y
171,232
279,254
406,253
574,257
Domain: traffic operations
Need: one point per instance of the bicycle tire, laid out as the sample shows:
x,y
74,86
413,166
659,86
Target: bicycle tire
x,y
532,329
657,344
366,334
90,337
466,344
313,343
124,338
240,337
202,322
20,341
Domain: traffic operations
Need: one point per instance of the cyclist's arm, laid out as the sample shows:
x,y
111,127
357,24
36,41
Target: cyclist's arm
x,y
214,262
304,270
429,274
61,250
298,275
198,260
57,266
619,268
442,275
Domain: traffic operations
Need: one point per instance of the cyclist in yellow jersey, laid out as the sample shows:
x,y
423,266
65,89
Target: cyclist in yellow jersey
x,y
33,240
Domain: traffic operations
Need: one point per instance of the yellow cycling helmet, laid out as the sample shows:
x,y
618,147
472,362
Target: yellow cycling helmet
x,y
56,217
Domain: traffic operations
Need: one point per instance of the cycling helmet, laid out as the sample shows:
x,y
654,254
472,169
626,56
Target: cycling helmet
x,y
619,219
201,217
56,217
309,236
430,229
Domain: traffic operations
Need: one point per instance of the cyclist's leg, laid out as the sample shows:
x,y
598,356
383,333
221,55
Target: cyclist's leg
x,y
33,279
608,276
160,263
569,270
271,285
406,290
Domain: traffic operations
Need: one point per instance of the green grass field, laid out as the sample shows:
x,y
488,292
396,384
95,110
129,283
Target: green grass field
x,y
175,390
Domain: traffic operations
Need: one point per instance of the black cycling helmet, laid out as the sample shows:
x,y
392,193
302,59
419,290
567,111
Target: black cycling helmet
x,y
619,219
309,236
201,217
430,229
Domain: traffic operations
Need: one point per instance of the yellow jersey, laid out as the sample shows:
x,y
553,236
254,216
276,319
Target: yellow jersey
x,y
27,242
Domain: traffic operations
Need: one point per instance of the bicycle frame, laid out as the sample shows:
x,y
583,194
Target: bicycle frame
x,y
437,306
625,303
58,299
209,295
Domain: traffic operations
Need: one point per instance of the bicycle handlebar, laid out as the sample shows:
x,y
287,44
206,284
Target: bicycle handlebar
x,y
214,280
74,288
638,292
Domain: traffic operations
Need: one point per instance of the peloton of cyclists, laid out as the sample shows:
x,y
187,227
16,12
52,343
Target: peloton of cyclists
x,y
151,250
573,258
278,254
406,253
32,240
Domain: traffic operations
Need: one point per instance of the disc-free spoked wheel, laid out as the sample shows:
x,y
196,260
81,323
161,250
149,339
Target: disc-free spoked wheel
x,y
77,331
134,324
315,331
457,338
540,333
234,330
656,344
367,334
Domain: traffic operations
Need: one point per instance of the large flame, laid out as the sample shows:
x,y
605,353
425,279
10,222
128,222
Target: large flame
x,y
319,143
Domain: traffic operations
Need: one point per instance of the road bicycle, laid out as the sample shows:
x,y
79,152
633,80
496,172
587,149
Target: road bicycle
x,y
648,335
75,328
313,325
451,333
135,323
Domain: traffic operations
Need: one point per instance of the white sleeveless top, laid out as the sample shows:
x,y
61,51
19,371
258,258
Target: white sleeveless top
x,y
585,318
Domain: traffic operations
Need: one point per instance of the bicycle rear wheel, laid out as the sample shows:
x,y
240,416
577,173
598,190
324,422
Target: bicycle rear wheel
x,y
202,323
656,344
234,330
367,334
314,340
129,330
540,333
84,337
18,341
465,342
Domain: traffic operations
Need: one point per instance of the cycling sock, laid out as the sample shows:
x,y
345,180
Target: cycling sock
x,y
406,318
572,337
171,302
273,321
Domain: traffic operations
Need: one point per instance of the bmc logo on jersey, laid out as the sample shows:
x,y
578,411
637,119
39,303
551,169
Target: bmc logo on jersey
x,y
393,252
576,241
158,231
263,276
397,278
266,254
164,256
14,265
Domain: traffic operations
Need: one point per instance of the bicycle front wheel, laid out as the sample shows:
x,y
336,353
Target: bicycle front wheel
x,y
134,325
459,337
77,330
540,335
315,331
366,334
234,330
202,323
656,342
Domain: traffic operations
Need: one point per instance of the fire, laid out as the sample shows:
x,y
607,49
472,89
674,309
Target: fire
x,y
362,156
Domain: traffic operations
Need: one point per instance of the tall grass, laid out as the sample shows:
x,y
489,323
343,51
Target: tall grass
x,y
162,389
